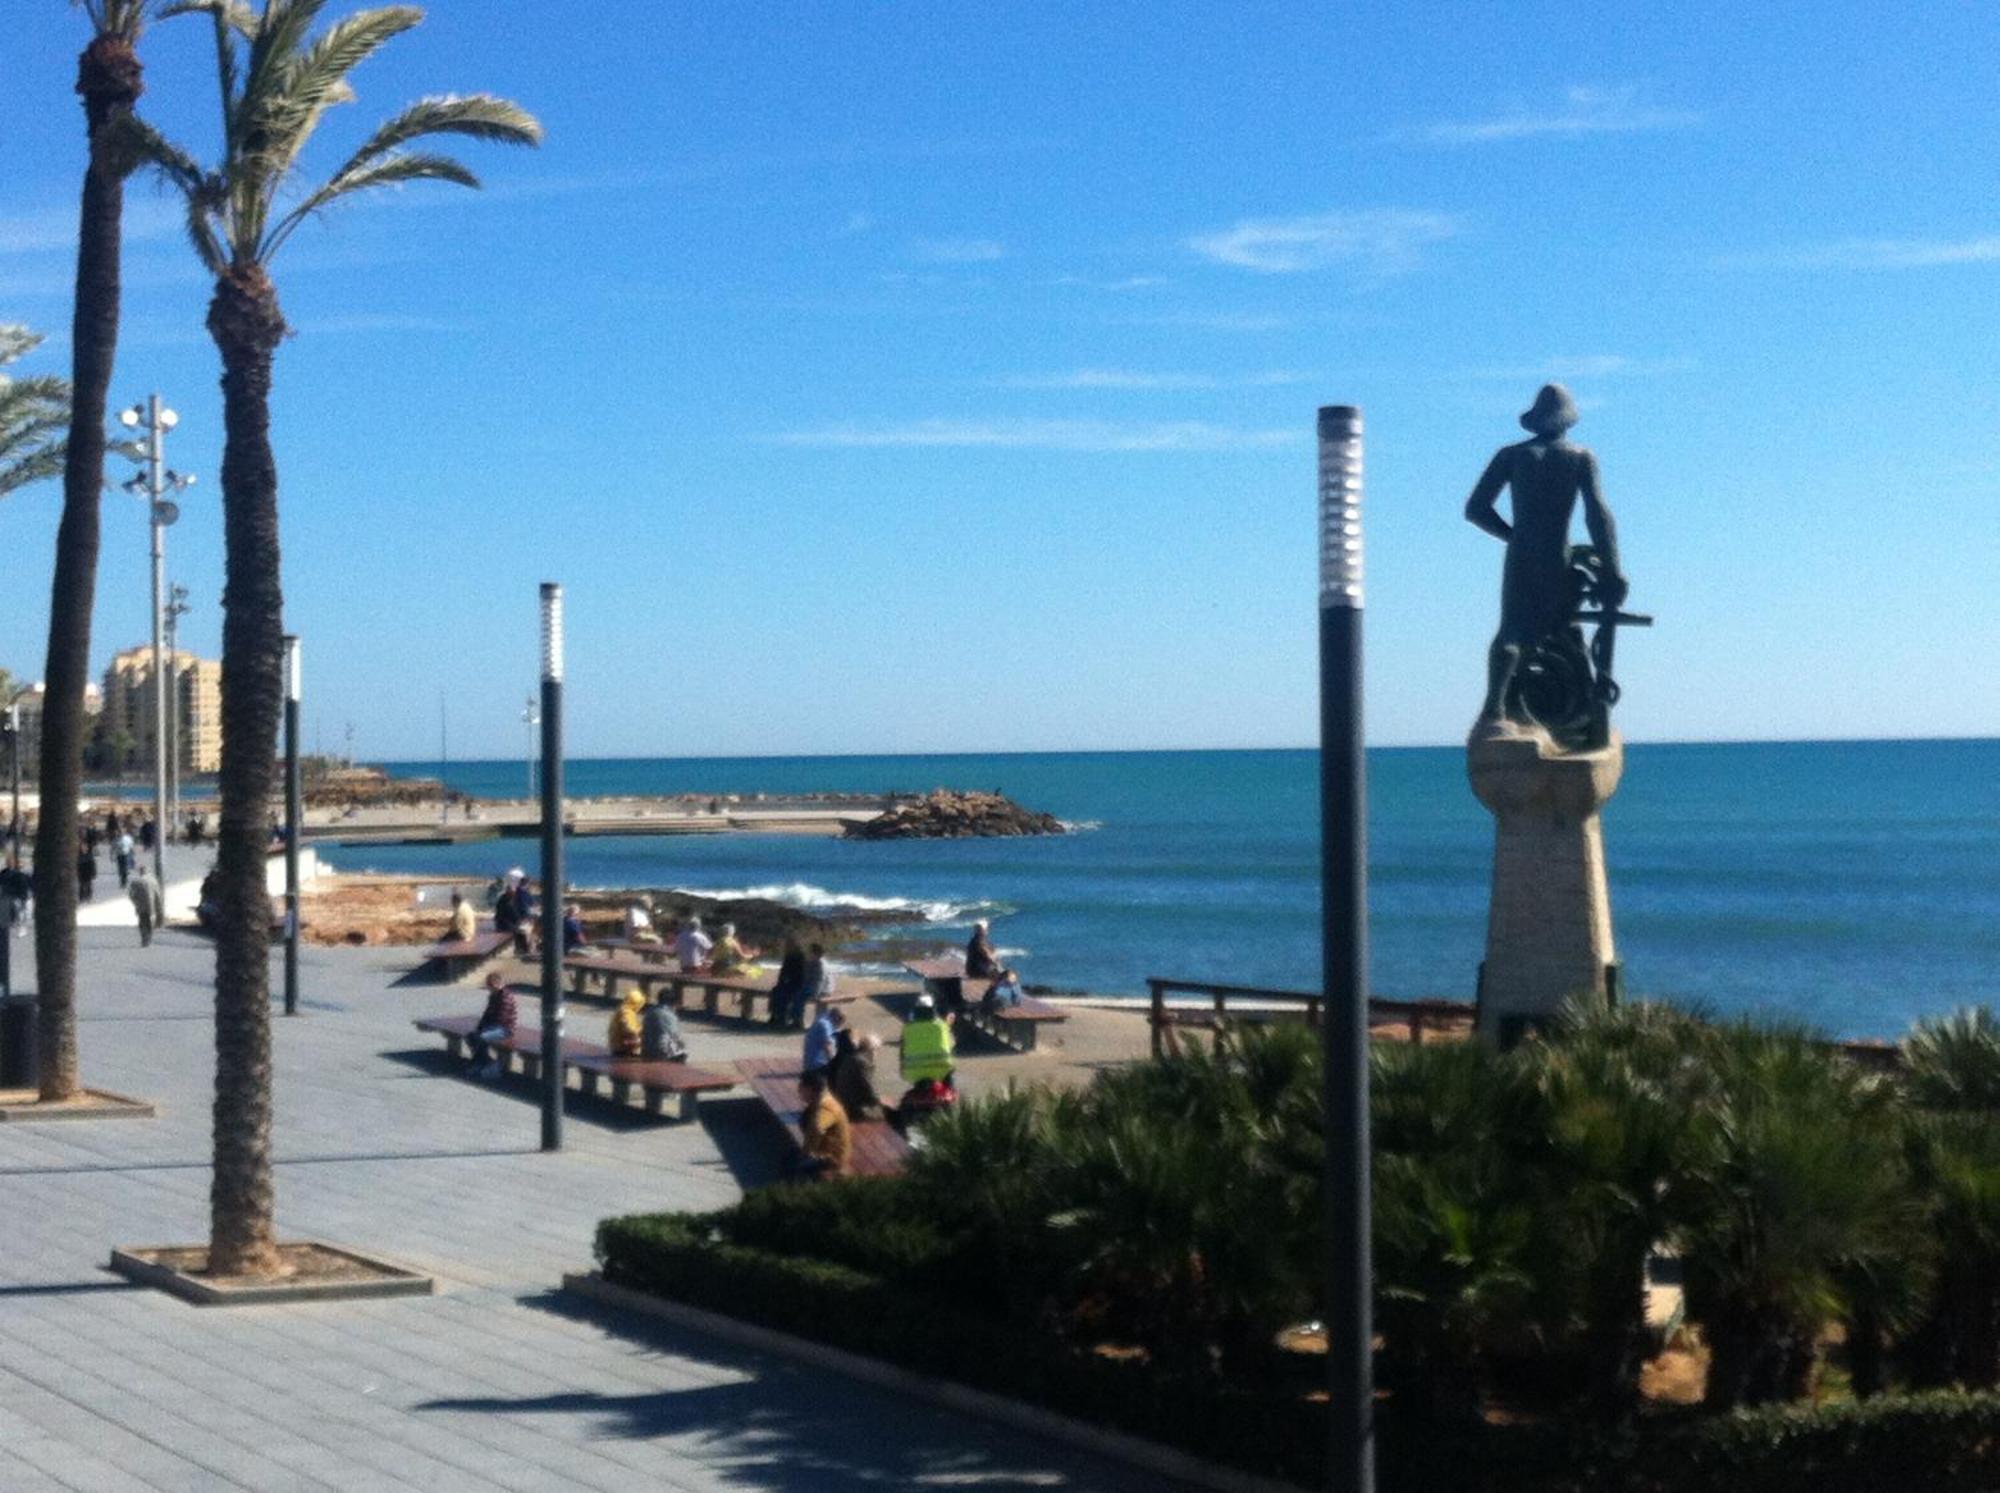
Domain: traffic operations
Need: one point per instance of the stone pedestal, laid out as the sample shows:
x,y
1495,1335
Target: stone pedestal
x,y
1548,934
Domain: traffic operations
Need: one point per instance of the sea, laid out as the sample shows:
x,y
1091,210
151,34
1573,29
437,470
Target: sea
x,y
1854,886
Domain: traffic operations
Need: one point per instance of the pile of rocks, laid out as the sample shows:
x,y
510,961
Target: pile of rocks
x,y
947,814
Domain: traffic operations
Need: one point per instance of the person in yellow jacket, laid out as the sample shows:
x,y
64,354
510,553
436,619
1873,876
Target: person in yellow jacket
x,y
628,1025
927,1045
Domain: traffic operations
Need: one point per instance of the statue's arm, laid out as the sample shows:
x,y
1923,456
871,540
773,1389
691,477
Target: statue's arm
x,y
1603,531
1479,507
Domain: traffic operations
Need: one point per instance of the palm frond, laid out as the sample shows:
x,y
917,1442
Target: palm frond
x,y
34,415
316,79
395,171
480,116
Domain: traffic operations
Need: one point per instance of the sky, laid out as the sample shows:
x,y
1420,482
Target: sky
x,y
942,377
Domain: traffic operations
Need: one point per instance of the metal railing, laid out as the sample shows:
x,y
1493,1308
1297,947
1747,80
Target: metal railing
x,y
1281,1005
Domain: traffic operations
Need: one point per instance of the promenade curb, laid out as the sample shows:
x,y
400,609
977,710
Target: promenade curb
x,y
1113,1446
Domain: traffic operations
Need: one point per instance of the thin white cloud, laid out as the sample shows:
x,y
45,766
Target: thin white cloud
x,y
1585,111
1133,379
1870,254
1591,365
1370,241
958,250
1043,435
1129,282
51,230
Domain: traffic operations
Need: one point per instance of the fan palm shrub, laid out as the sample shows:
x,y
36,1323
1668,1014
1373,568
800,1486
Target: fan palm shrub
x,y
1796,1188
278,80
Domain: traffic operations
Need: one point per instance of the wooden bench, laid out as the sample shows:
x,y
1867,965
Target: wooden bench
x,y
877,1150
652,951
605,974
455,958
1017,1026
592,1063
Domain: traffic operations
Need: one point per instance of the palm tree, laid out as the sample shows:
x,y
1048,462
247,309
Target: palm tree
x,y
33,413
277,82
109,79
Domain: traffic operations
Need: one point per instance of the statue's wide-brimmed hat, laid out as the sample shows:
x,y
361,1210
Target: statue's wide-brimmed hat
x,y
1553,411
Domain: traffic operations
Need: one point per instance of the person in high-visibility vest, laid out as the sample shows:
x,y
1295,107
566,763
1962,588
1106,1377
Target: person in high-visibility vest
x,y
927,1045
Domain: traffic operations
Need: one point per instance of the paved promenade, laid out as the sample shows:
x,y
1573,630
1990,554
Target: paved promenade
x,y
494,1383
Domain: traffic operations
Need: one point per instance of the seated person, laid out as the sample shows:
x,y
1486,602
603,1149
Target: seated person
x,y
729,956
496,1024
692,946
1003,992
506,912
573,937
854,1077
464,920
927,1046
626,1037
823,1040
981,963
638,927
829,1144
660,1033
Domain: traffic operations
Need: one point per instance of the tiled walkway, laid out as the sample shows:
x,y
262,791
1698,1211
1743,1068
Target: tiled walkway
x,y
492,1383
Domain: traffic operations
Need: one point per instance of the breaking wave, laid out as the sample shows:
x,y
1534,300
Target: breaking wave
x,y
807,897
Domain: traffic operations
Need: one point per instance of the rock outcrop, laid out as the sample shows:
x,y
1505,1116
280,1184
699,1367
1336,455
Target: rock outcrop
x,y
947,814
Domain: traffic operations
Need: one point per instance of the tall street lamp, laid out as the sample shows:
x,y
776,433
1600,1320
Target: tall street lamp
x,y
1343,791
531,718
155,419
294,822
177,608
14,773
552,866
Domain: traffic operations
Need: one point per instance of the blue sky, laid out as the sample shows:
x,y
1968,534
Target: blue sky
x,y
942,377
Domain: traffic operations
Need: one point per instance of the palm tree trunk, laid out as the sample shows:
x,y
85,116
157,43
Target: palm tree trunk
x,y
245,321
108,78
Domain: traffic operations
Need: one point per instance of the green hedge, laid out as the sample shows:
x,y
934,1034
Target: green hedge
x,y
1939,1442
686,1258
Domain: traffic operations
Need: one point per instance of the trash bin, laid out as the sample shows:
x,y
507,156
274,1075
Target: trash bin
x,y
18,1068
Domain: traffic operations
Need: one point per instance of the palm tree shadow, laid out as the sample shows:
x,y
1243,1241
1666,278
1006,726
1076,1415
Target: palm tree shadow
x,y
787,1429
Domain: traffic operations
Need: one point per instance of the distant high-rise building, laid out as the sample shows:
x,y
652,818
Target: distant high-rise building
x,y
125,729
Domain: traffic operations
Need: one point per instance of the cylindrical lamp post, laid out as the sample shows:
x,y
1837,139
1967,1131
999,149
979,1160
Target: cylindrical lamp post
x,y
294,823
552,866
14,773
155,481
1343,789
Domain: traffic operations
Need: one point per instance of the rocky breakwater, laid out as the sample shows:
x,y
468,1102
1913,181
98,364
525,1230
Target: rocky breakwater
x,y
946,814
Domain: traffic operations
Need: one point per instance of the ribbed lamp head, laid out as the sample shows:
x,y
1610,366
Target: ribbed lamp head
x,y
1339,506
294,682
552,633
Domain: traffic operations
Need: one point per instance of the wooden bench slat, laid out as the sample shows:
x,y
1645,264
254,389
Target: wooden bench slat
x,y
592,1061
876,1150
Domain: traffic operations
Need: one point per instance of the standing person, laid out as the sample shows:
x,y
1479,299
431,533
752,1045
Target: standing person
x,y
125,856
980,961
16,888
464,920
692,946
829,1145
788,994
148,833
496,1024
660,1033
148,901
86,872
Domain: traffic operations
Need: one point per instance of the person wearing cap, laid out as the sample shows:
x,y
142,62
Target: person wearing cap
x,y
1545,476
691,947
980,961
927,1045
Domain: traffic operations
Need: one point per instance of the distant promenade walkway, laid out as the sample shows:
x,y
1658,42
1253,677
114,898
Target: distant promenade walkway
x,y
494,1383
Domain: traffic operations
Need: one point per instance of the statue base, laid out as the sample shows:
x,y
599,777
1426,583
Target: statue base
x,y
1548,932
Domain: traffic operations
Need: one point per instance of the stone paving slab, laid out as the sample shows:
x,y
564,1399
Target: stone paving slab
x,y
494,1383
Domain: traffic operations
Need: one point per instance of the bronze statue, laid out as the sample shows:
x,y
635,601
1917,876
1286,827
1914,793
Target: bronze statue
x,y
1539,671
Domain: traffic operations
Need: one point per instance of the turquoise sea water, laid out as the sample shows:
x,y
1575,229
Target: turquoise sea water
x,y
1852,884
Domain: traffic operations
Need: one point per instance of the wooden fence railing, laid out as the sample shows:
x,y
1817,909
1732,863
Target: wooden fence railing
x,y
1279,1005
